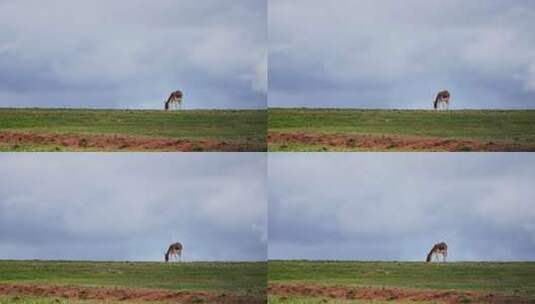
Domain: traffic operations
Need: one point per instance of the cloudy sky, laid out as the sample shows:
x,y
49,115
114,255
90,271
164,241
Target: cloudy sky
x,y
398,54
395,206
132,206
133,53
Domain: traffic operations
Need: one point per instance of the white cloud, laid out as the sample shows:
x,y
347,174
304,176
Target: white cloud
x,y
260,77
391,53
205,201
124,53
393,206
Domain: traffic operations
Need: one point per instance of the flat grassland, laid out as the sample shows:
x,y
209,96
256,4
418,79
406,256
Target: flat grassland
x,y
400,130
38,129
294,282
88,282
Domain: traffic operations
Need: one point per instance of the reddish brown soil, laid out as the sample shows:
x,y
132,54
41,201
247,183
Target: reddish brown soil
x,y
391,294
119,142
124,294
392,142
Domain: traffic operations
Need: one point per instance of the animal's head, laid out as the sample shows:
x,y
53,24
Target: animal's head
x,y
166,257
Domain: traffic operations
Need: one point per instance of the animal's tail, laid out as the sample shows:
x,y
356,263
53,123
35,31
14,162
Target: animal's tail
x,y
168,101
430,254
167,254
435,104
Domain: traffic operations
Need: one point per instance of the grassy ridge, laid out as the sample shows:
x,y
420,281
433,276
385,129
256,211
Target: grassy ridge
x,y
42,300
240,278
308,300
231,125
508,278
503,125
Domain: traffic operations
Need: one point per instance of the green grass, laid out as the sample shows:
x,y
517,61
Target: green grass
x,y
33,147
516,278
48,300
308,300
237,126
515,126
240,277
298,147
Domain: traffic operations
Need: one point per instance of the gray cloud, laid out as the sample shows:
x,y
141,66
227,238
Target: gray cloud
x,y
377,206
131,206
113,54
400,53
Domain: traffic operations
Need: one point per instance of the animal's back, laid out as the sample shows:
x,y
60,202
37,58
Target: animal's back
x,y
177,94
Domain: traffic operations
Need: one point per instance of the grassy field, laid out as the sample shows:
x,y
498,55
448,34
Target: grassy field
x,y
309,300
42,300
244,278
243,128
508,127
506,279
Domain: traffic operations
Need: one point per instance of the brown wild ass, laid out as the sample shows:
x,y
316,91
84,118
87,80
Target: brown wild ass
x,y
442,101
175,250
439,249
174,98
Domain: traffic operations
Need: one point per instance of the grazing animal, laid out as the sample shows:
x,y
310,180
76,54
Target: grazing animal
x,y
175,250
174,98
442,100
438,249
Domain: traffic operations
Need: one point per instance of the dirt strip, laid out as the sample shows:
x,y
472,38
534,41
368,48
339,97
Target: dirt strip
x,y
107,142
124,294
391,294
392,142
